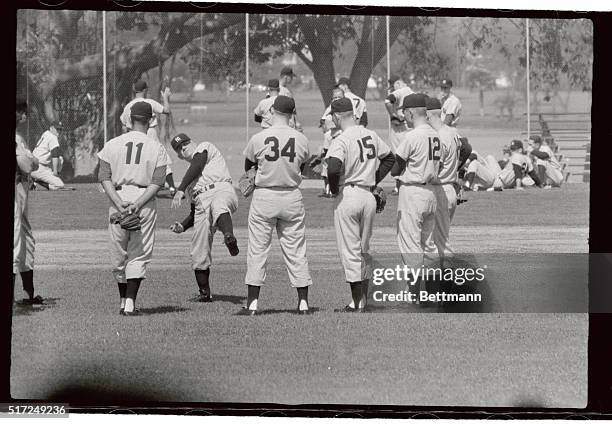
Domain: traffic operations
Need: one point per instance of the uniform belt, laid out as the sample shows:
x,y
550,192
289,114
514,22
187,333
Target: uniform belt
x,y
201,190
118,188
365,187
413,184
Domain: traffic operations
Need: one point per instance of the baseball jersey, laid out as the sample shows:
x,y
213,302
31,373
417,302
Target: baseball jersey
x,y
449,139
215,169
47,142
421,149
359,105
451,105
360,151
399,95
133,157
507,176
263,109
279,151
552,159
284,91
156,106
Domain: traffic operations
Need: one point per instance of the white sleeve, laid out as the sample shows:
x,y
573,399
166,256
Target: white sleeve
x,y
156,106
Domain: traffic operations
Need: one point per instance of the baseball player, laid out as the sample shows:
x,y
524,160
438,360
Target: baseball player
x,y
330,131
132,170
209,185
549,169
358,160
417,161
393,104
279,153
488,175
50,160
141,89
359,104
262,112
445,186
451,106
286,78
23,239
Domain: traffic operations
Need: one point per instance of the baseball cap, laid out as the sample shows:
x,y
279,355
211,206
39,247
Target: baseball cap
x,y
140,86
287,70
142,109
273,84
284,104
344,80
446,83
178,140
57,124
431,103
414,100
342,105
394,79
516,144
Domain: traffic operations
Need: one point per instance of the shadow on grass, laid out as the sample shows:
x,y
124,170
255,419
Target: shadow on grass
x,y
236,300
166,309
285,311
23,309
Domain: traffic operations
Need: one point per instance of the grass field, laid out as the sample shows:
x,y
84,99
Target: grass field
x,y
78,348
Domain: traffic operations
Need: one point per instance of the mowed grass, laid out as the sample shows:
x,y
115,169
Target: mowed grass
x,y
78,348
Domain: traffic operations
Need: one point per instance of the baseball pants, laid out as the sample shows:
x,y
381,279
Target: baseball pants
x,y
354,213
23,239
484,173
416,209
133,250
446,203
281,209
209,205
554,175
45,175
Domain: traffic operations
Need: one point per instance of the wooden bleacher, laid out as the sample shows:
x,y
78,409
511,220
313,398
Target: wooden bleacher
x,y
569,135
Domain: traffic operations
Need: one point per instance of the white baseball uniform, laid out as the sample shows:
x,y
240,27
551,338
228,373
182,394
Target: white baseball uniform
x,y
23,239
279,152
551,165
451,105
133,158
487,172
446,196
47,142
359,105
396,132
263,109
213,195
416,207
284,91
360,151
153,131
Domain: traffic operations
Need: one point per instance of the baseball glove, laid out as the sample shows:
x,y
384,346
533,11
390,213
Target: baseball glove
x,y
127,221
381,199
247,182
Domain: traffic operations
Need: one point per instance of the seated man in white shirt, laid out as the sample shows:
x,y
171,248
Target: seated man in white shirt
x,y
50,159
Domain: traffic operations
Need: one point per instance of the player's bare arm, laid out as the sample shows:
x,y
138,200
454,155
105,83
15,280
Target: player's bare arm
x,y
165,95
104,176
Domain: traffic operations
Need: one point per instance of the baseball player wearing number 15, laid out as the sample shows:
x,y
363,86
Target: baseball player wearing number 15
x,y
132,170
279,153
353,159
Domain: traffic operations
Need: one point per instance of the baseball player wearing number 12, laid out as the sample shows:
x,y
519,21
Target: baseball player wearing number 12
x,y
417,161
132,170
279,153
353,159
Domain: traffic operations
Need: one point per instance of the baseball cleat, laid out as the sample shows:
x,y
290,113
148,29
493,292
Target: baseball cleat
x,y
37,300
203,298
349,309
247,312
231,243
133,313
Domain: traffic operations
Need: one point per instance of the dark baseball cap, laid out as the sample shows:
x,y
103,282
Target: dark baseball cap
x,y
273,84
414,100
431,103
342,105
284,104
57,124
516,144
142,109
287,70
344,80
446,83
394,79
178,140
140,86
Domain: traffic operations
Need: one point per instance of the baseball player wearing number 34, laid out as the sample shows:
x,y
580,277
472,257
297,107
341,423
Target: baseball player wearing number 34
x,y
279,153
132,170
213,203
353,159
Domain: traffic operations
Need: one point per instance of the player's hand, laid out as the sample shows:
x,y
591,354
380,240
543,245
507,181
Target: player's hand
x,y
176,201
177,228
133,208
124,205
166,92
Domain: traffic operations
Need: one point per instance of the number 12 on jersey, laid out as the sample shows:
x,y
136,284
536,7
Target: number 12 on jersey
x,y
434,148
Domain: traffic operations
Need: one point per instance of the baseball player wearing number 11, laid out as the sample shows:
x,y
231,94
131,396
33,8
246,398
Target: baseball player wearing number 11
x,y
279,154
354,158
